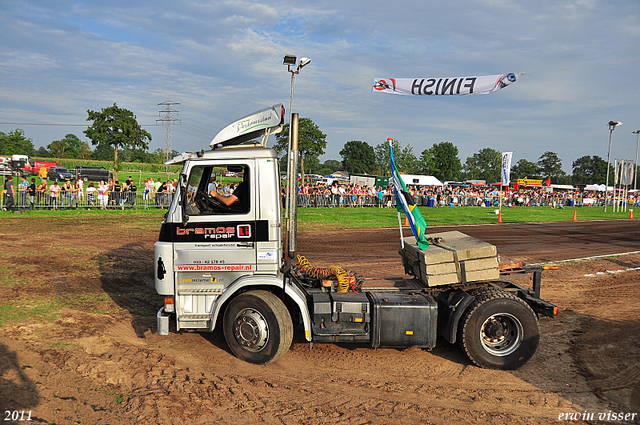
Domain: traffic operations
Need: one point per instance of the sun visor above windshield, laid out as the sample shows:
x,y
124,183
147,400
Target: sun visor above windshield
x,y
258,124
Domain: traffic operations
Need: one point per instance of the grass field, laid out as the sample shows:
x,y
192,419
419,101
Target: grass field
x,y
336,218
318,218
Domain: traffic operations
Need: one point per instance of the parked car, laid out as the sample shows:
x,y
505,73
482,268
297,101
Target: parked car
x,y
5,170
93,174
59,174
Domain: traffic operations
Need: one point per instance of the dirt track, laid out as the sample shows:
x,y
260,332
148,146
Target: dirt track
x,y
114,368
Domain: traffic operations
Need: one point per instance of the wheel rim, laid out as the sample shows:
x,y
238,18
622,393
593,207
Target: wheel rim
x,y
251,330
501,334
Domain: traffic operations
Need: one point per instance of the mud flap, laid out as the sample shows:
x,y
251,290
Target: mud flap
x,y
162,322
452,306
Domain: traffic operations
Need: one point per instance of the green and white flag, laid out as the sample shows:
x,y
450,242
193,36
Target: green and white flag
x,y
406,203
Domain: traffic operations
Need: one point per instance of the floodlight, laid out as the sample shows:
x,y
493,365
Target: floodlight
x,y
612,126
304,62
289,60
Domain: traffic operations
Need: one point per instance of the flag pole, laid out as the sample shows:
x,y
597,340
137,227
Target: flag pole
x,y
401,235
389,140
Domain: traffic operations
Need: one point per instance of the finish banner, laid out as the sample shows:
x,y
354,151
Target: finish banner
x,y
445,86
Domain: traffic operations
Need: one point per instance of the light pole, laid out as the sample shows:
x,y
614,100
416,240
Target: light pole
x,y
635,171
612,126
290,61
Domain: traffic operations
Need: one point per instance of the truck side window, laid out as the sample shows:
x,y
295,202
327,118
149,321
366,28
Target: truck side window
x,y
218,190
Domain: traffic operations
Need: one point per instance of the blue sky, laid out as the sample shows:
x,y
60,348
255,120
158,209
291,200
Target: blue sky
x,y
223,59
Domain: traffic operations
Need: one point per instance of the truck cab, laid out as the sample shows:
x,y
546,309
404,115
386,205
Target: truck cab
x,y
211,258
209,245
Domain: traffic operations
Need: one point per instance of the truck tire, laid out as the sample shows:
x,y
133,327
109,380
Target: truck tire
x,y
258,327
499,330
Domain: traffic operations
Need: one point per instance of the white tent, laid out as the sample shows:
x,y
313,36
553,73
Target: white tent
x,y
562,187
597,187
417,180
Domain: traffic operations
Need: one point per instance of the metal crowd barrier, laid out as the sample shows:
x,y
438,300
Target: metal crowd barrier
x,y
114,200
140,199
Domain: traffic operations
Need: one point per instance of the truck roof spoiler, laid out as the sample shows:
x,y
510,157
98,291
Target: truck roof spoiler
x,y
261,123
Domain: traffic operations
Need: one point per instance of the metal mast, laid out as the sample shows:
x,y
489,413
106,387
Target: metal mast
x,y
168,120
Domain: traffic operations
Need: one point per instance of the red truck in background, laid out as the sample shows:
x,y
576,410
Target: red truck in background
x,y
37,166
23,165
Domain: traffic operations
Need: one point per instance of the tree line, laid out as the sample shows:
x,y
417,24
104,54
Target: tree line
x,y
117,136
114,132
440,160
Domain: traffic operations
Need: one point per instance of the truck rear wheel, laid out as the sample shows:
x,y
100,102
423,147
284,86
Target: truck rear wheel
x,y
499,330
258,327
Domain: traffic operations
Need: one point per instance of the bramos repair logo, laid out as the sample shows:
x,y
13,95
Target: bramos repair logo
x,y
244,231
241,231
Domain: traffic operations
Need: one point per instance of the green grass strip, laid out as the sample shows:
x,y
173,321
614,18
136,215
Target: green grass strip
x,y
344,218
34,308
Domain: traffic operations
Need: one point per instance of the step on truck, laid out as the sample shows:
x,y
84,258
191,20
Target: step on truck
x,y
225,263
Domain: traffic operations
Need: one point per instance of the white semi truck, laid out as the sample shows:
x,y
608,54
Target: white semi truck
x,y
229,266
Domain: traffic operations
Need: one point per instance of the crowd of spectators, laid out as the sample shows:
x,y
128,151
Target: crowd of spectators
x,y
354,195
39,193
28,194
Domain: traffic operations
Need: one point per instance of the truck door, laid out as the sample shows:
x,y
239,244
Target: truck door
x,y
217,244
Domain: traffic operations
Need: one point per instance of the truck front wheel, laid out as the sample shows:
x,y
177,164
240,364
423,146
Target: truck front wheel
x,y
499,330
258,327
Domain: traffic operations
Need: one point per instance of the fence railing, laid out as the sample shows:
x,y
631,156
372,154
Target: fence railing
x,y
139,199
119,200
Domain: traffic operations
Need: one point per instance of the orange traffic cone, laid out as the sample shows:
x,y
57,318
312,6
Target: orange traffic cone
x,y
499,216
631,214
406,221
575,215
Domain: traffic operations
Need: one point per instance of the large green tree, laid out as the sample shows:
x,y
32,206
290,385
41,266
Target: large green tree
x,y
484,165
85,151
358,157
550,165
103,152
441,161
589,170
67,147
117,128
158,156
524,168
406,160
329,166
311,141
43,152
16,143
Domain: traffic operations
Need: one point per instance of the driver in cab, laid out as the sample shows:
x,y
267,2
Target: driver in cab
x,y
239,199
